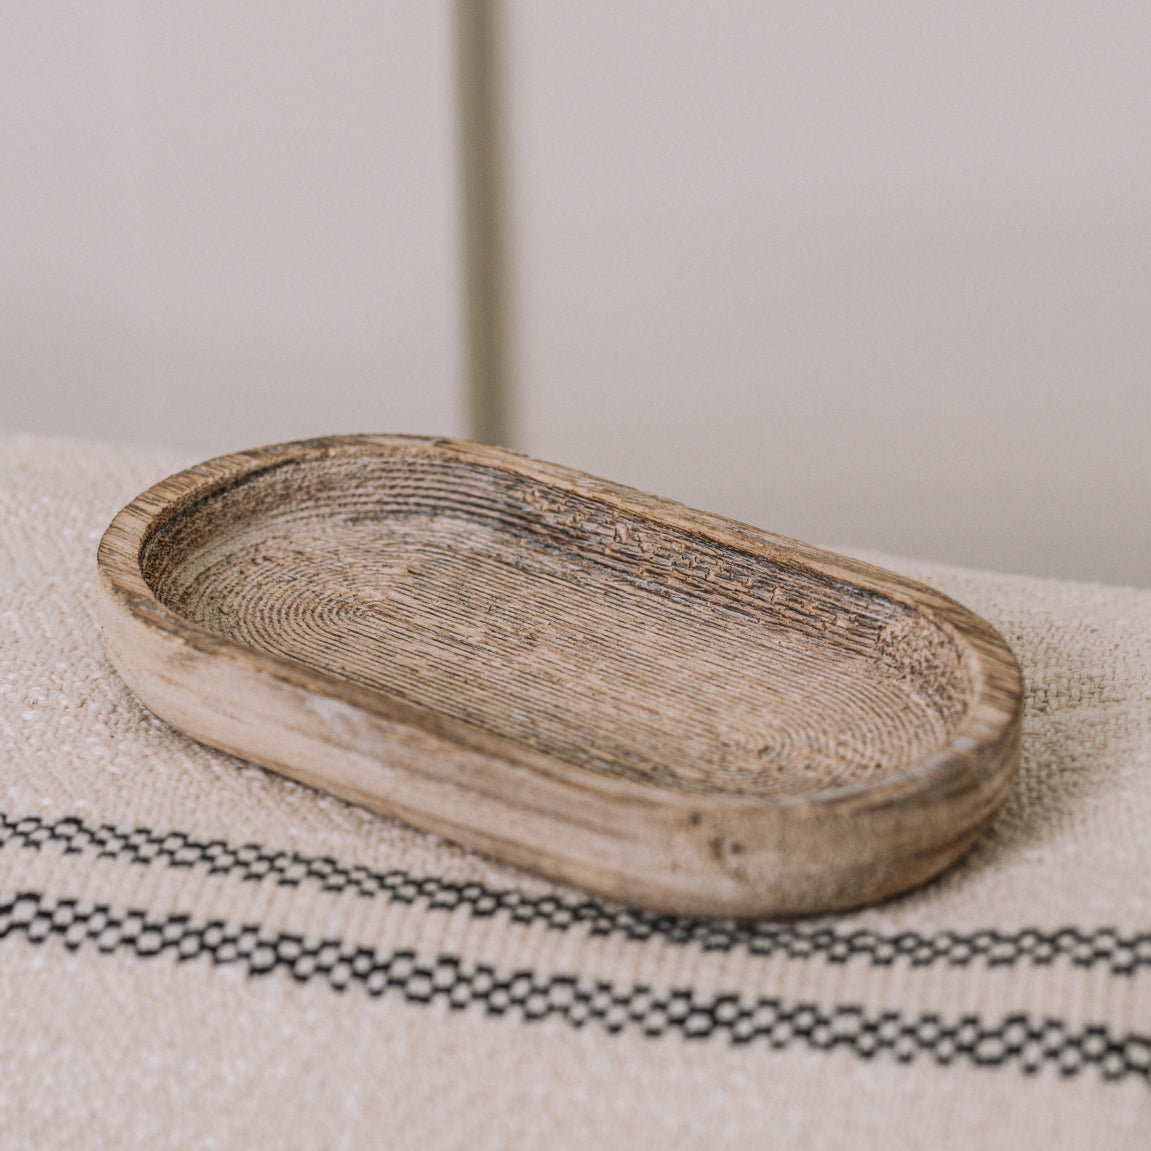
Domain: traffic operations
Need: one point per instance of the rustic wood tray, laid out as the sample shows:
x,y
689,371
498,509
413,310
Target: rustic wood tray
x,y
663,706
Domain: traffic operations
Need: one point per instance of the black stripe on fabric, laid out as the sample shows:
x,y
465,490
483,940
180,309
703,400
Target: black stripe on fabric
x,y
1017,1040
1104,947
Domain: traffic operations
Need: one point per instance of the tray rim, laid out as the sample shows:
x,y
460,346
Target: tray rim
x,y
977,761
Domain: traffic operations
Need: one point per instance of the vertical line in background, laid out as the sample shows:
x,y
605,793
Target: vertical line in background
x,y
489,399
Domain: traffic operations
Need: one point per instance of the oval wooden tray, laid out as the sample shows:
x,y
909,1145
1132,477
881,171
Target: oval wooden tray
x,y
660,705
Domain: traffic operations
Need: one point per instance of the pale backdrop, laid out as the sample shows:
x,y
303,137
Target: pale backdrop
x,y
871,273
876,275
227,223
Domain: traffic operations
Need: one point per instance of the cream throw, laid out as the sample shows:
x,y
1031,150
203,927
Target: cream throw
x,y
197,953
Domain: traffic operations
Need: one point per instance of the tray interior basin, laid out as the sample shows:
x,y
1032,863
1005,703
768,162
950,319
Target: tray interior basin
x,y
618,642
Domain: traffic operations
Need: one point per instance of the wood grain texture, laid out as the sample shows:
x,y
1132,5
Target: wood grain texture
x,y
660,705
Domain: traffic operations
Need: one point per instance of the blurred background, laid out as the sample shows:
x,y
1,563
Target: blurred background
x,y
872,275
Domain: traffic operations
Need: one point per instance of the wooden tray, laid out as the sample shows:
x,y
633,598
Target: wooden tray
x,y
663,706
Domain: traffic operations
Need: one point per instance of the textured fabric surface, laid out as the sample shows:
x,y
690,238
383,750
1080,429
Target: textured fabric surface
x,y
197,953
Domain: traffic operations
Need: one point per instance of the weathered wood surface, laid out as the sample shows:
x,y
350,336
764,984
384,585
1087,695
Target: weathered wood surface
x,y
663,706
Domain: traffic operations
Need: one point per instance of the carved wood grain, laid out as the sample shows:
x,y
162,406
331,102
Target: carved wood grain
x,y
662,706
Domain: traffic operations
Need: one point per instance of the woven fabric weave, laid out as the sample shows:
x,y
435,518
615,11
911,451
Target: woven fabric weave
x,y
197,953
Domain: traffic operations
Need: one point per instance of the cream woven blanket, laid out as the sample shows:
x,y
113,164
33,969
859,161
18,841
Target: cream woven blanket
x,y
196,953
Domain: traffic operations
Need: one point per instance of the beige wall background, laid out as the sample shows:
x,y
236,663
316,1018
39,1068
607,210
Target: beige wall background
x,y
227,223
875,275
